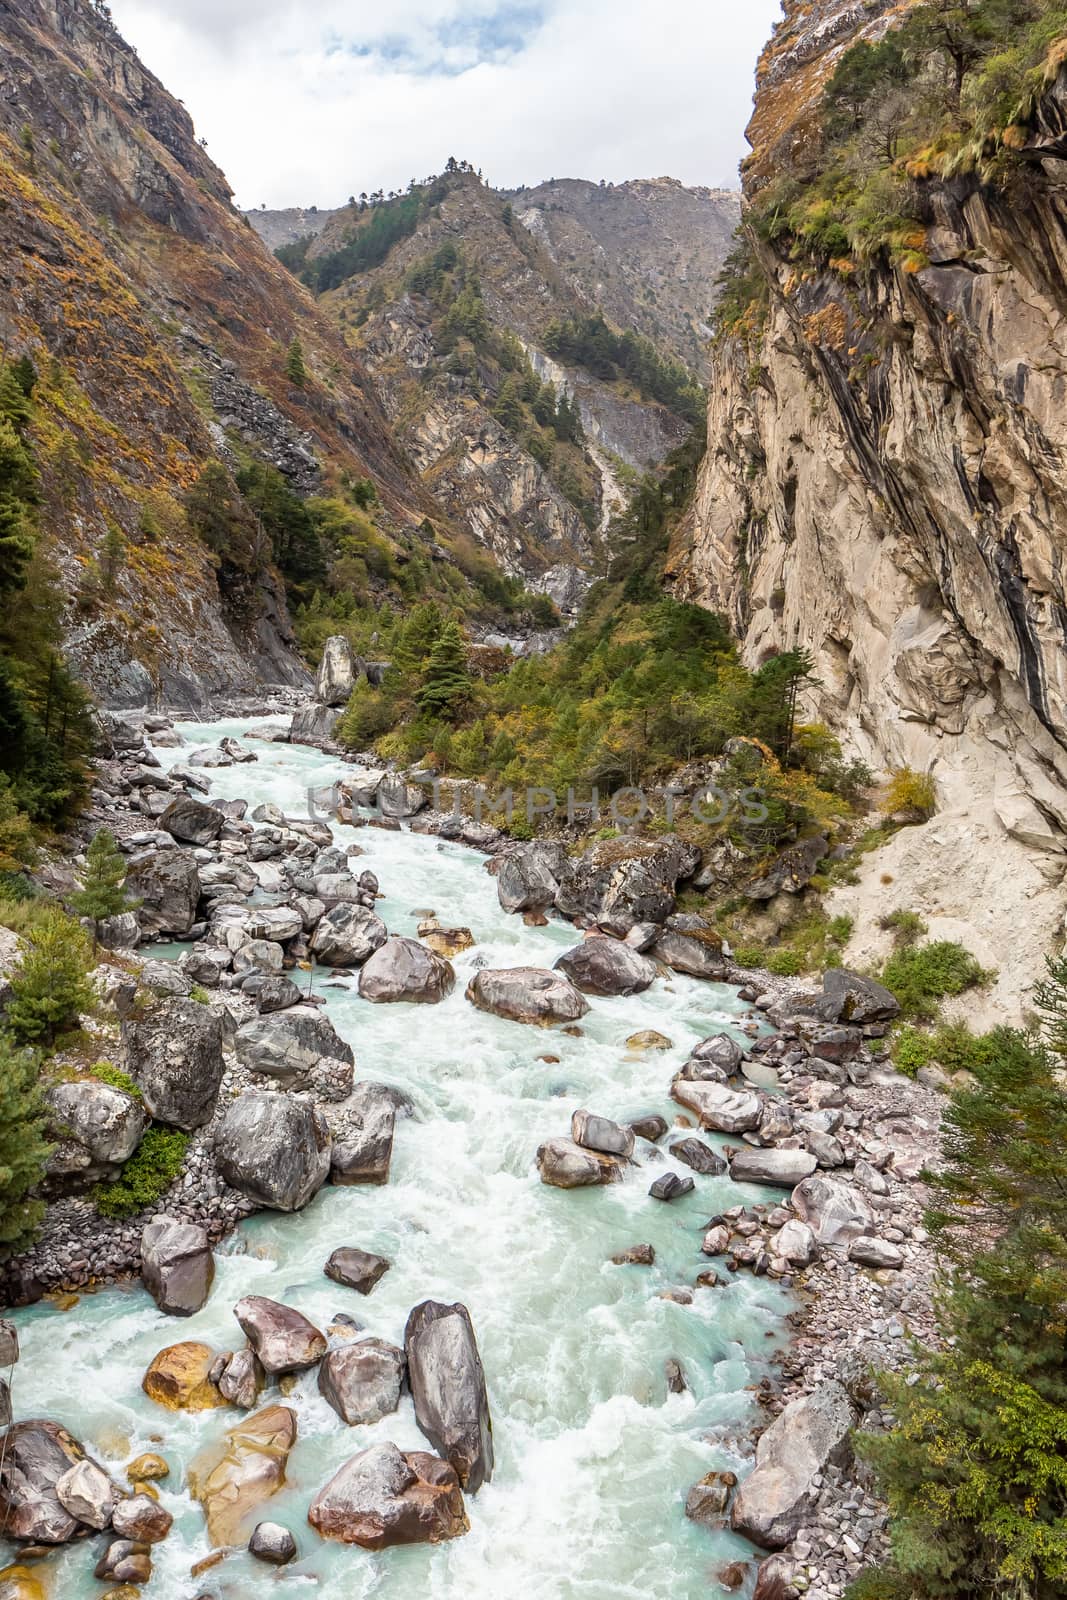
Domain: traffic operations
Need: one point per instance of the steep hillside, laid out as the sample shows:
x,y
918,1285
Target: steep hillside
x,y
648,252
161,332
289,226
527,414
886,479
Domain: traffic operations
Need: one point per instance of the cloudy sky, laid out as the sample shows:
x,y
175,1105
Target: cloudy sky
x,y
305,103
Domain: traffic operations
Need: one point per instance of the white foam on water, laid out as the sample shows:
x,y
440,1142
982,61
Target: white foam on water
x,y
593,1455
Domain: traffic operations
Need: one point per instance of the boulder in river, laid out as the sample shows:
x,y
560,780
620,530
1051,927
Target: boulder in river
x,y
722,1109
363,1148
811,1434
177,1266
233,1476
719,1049
527,994
167,885
192,821
696,952
671,1186
178,1378
698,1155
272,1543
870,1251
605,966
241,1379
528,878
283,1339
650,1127
562,1164
405,970
36,1455
273,1148
141,1518
395,797
448,1387
87,1493
623,882
356,1269
286,1045
174,1055
126,1562
314,725
602,1135
362,1381
381,1498
783,1167
347,935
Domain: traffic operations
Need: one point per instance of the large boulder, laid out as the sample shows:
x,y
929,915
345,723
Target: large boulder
x,y
601,965
562,1164
191,821
347,935
35,1457
286,1045
396,797
314,725
623,882
722,1109
448,1387
811,1434
174,1055
786,1168
281,1337
177,1266
274,1149
718,1050
178,1378
526,994
363,1148
855,999
87,1493
597,1133
382,1498
233,1476
276,923
695,951
404,969
338,672
528,879
356,1269
794,1245
104,1122
362,1381
836,1212
167,885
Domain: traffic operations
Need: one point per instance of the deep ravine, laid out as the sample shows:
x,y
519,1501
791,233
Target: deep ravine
x,y
594,1456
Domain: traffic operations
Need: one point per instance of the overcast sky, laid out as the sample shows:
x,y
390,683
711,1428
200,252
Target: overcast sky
x,y
306,103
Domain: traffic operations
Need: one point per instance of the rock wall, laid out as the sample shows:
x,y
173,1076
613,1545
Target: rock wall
x,y
886,484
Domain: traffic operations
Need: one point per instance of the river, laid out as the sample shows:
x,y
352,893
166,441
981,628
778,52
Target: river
x,y
594,1456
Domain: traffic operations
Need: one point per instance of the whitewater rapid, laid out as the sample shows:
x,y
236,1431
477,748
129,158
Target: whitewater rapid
x,y
594,1456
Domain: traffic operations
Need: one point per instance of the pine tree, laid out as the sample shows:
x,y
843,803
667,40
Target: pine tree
x,y
17,495
446,683
415,640
50,985
102,893
295,370
112,557
508,408
23,1150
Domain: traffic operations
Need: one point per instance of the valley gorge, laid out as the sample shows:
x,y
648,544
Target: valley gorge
x,y
533,848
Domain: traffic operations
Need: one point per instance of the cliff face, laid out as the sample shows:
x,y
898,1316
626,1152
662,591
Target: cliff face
x,y
159,327
886,483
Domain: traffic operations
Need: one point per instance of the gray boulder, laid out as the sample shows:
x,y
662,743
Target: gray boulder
x,y
785,1168
363,1148
562,1164
35,1457
871,1251
811,1434
242,1379
718,1107
601,1134
282,1338
274,1149
277,923
381,1498
174,1055
286,1045
356,1269
527,994
104,1122
277,994
794,1245
192,821
698,954
347,935
856,999
177,1266
86,1492
362,1382
338,672
529,878
448,1387
700,1156
259,955
671,1186
405,970
621,883
121,932
719,1049
601,965
272,1543
314,725
397,798
167,884
837,1212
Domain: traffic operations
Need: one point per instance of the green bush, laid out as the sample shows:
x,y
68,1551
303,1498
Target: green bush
x,y
907,927
785,963
50,986
147,1175
23,1148
953,1047
104,1072
921,976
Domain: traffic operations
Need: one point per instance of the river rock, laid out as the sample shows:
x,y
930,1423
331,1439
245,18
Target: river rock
x,y
274,1149
718,1107
785,1168
178,1378
382,1498
857,999
283,1339
362,1381
19,1583
272,1543
448,1388
177,1266
191,821
811,1434
871,1251
363,1151
277,994
602,1135
242,1379
652,1127
347,935
527,994
286,1045
671,1186
837,1213
104,1122
622,882
35,1457
707,1500
125,1561
565,1165
167,885
259,955
9,1343
314,725
234,1475
141,1518
697,954
600,965
338,671
120,932
719,1049
700,1156
87,1493
794,1244
405,970
398,798
638,1255
174,1055
147,1468
356,1269
528,879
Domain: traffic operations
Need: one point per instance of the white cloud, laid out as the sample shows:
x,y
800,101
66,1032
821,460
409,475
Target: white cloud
x,y
305,105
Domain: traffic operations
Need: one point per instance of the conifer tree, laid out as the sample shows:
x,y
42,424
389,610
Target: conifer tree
x,y
446,683
295,370
50,985
23,1149
112,557
102,893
